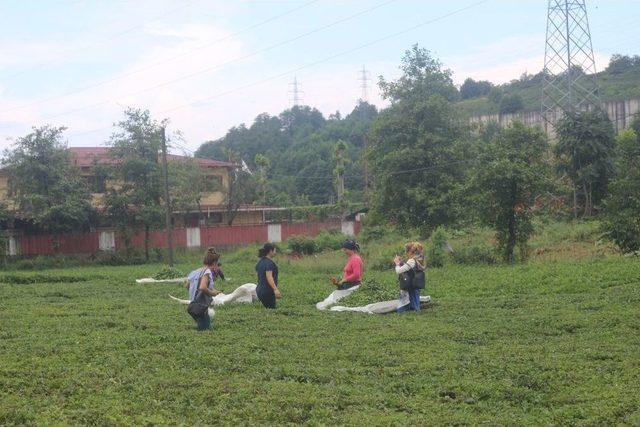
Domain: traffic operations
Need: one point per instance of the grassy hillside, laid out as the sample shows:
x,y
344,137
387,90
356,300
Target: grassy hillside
x,y
553,341
613,86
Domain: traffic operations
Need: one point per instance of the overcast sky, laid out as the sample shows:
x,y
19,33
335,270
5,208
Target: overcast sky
x,y
208,65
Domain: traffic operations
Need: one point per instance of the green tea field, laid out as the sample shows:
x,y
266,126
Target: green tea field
x,y
555,340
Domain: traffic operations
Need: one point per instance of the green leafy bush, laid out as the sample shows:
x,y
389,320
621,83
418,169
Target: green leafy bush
x,y
302,244
168,273
474,254
436,254
329,240
22,279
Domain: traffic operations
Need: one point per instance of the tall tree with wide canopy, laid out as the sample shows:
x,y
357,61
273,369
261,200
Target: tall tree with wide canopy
x,y
414,154
511,172
621,214
45,187
585,149
135,199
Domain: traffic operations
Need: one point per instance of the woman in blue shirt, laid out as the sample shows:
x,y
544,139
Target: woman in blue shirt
x,y
202,281
267,270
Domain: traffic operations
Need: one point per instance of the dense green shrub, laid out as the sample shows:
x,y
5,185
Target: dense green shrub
x,y
302,244
168,273
474,254
22,279
330,240
436,253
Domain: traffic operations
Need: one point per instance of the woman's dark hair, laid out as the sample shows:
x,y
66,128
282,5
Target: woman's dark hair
x,y
264,251
352,245
211,257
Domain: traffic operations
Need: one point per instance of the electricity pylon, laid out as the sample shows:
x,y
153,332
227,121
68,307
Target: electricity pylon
x,y
569,65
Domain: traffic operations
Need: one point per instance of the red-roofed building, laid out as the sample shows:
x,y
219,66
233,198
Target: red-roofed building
x,y
212,209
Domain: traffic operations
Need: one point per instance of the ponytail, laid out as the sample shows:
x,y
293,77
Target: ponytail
x,y
264,251
211,256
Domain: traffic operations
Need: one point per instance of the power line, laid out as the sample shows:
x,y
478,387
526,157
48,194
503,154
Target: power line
x,y
311,64
231,61
163,61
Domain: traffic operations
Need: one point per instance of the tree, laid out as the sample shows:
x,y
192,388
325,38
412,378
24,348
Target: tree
x,y
511,103
241,189
338,173
475,89
136,198
585,153
511,173
45,187
415,155
187,184
621,213
263,165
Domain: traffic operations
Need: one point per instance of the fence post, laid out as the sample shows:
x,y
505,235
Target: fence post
x,y
348,228
274,233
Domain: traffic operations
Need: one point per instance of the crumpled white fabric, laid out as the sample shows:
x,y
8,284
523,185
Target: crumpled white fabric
x,y
334,297
242,294
382,307
151,280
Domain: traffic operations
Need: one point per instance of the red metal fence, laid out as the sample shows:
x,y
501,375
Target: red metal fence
x,y
89,243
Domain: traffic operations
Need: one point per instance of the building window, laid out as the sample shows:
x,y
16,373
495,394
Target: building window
x,y
213,183
214,218
96,184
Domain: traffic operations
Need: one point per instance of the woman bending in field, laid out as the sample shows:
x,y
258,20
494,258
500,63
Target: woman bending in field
x,y
410,298
352,272
201,287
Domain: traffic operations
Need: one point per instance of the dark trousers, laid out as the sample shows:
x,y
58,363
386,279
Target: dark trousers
x,y
266,296
414,301
203,322
348,285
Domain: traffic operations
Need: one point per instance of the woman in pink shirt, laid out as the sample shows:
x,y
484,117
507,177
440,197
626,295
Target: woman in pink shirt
x,y
352,273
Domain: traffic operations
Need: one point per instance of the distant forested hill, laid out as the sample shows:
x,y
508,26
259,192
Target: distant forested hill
x,y
299,146
299,142
620,80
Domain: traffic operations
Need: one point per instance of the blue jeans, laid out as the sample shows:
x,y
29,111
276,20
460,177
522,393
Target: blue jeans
x,y
414,301
204,322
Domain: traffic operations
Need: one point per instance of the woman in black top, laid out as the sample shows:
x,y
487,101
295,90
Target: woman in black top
x,y
267,289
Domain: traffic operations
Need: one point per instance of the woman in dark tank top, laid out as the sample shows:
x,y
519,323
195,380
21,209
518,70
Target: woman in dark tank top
x,y
267,271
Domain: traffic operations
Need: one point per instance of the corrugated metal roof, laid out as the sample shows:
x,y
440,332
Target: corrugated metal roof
x,y
86,156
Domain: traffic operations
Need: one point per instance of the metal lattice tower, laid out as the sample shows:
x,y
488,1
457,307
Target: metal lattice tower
x,y
295,93
569,65
364,84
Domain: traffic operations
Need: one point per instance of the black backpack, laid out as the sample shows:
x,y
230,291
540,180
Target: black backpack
x,y
412,279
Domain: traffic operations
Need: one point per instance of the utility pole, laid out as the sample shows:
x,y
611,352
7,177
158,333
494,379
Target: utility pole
x,y
364,97
165,173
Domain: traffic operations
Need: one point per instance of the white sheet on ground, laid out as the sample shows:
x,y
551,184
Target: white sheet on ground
x,y
151,280
382,307
334,297
243,294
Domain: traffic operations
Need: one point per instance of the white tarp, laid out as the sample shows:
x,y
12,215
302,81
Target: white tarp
x,y
151,280
243,294
378,307
335,297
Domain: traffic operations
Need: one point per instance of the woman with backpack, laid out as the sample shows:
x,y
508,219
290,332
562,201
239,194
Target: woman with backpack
x,y
407,271
202,291
267,271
